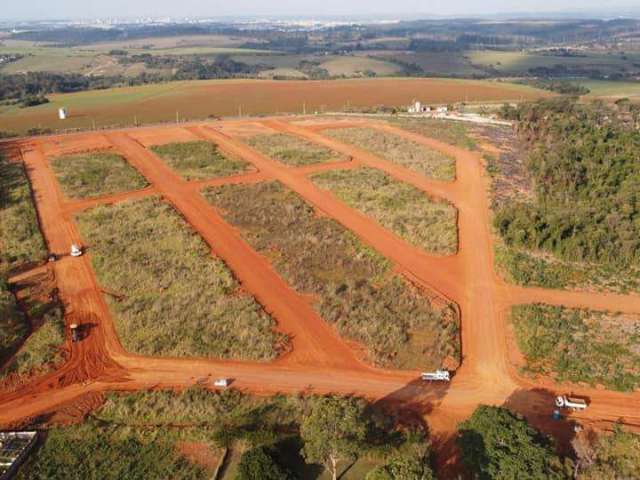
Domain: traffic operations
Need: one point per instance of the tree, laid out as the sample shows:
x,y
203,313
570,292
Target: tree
x,y
259,464
497,444
615,456
333,431
403,467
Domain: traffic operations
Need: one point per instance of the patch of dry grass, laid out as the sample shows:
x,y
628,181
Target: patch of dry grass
x,y
95,174
176,299
199,160
408,212
292,150
355,287
394,148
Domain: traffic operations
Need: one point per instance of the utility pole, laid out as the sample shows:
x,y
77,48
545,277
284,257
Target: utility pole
x,y
304,108
240,110
177,117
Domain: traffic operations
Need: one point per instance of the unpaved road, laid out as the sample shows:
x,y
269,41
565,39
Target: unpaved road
x,y
320,361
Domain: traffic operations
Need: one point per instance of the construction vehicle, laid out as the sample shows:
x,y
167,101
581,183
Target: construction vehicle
x,y
573,403
75,334
437,376
76,251
221,382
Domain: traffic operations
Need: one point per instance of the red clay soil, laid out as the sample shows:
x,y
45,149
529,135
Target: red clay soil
x,y
320,362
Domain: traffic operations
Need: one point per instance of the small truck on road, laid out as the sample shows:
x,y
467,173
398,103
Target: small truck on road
x,y
573,403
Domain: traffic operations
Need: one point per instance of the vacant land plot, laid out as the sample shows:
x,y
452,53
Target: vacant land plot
x,y
579,345
455,133
200,99
408,212
94,174
354,287
169,296
198,160
396,149
292,150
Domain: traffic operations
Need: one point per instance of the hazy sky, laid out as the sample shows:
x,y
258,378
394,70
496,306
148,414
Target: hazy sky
x,y
50,9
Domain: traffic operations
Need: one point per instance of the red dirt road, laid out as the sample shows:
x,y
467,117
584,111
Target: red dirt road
x,y
320,361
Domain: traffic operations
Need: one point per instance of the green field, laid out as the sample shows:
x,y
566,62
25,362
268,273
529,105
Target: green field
x,y
603,88
354,65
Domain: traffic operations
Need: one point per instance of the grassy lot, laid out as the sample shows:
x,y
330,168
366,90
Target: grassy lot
x,y
292,150
455,133
603,88
396,149
21,244
95,451
355,287
438,63
198,160
200,99
579,345
170,297
95,174
426,223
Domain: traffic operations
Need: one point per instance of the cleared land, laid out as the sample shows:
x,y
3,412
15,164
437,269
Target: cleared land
x,y
292,150
349,66
200,99
418,158
198,160
169,296
397,206
353,287
95,174
579,345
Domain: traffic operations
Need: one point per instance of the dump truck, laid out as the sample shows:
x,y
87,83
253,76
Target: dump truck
x,y
437,376
75,334
76,250
573,403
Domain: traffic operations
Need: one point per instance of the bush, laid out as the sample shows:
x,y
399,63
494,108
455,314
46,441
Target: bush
x,y
259,464
33,100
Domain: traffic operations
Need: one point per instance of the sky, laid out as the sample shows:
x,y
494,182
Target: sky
x,y
62,9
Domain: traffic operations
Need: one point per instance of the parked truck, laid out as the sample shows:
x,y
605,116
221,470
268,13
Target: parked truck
x,y
437,376
573,403
75,334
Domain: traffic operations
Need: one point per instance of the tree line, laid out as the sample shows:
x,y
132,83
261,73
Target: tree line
x,y
584,164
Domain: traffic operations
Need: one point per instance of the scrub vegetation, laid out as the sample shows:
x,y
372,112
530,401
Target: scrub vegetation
x,y
168,295
292,150
95,174
396,149
354,287
199,160
408,212
579,345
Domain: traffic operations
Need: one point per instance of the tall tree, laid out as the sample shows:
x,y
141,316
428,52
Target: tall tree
x,y
497,444
333,431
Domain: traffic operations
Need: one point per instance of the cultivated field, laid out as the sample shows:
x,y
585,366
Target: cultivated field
x,y
95,174
168,296
428,224
394,148
353,287
200,99
198,160
292,150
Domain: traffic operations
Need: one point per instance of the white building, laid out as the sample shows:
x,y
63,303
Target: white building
x,y
62,113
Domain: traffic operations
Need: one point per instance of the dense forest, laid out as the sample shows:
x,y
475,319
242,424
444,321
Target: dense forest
x,y
584,162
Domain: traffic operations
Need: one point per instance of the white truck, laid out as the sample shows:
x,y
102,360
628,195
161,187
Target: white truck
x,y
437,376
573,403
221,383
76,250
